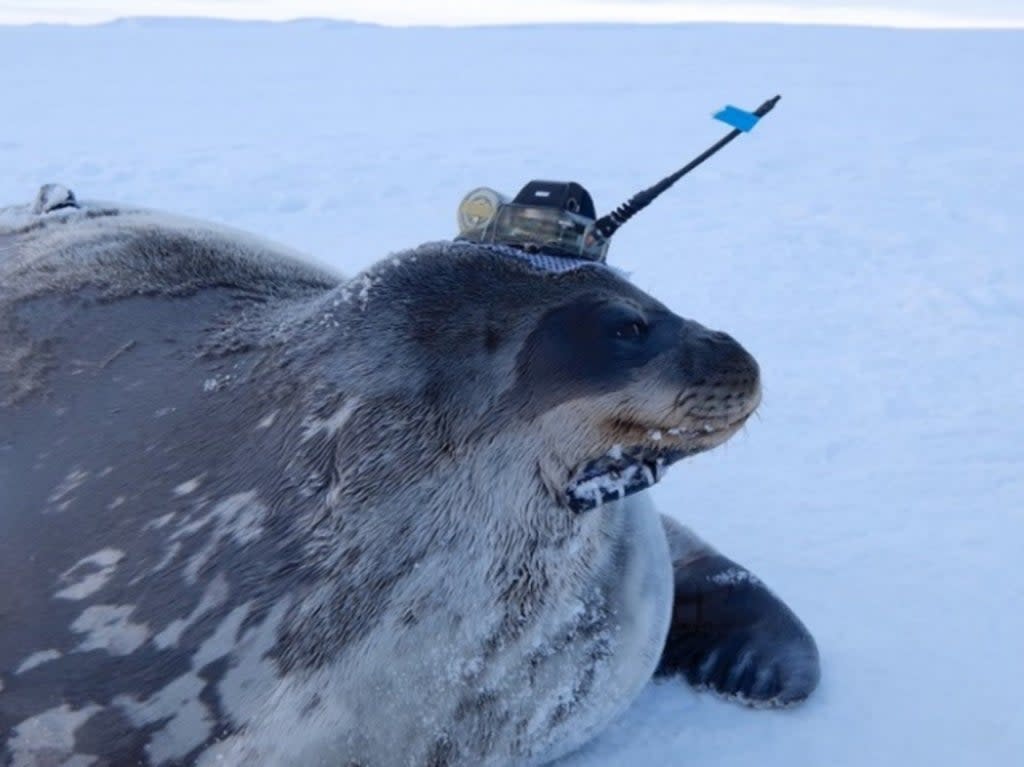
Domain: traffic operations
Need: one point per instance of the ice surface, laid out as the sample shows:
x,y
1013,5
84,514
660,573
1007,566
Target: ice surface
x,y
865,243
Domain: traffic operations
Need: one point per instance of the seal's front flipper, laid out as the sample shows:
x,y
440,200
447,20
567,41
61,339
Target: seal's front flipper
x,y
730,634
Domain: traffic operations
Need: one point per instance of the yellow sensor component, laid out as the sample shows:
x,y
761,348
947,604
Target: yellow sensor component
x,y
478,209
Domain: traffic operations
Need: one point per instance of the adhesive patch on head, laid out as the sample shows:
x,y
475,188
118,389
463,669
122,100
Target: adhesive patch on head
x,y
542,262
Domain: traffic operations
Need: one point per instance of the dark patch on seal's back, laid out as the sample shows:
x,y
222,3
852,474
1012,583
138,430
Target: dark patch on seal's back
x,y
443,752
110,731
45,223
492,338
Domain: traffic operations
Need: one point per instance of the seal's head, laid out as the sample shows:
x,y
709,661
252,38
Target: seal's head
x,y
597,382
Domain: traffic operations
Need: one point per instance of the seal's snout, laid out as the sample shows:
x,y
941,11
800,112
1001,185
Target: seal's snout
x,y
714,356
721,379
716,385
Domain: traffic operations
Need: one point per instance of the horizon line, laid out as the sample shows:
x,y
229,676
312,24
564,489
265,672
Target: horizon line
x,y
769,16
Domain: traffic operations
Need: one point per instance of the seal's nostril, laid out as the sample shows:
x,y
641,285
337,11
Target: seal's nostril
x,y
715,359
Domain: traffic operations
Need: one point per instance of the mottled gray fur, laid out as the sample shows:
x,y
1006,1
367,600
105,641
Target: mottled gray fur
x,y
258,512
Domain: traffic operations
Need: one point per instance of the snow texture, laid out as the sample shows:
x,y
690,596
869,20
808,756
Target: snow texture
x,y
864,242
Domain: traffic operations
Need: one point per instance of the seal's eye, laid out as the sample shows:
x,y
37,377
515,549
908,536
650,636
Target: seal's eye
x,y
632,330
622,322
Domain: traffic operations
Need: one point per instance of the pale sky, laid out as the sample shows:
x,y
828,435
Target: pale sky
x,y
899,13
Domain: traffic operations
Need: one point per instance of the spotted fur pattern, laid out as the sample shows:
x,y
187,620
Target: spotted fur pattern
x,y
261,514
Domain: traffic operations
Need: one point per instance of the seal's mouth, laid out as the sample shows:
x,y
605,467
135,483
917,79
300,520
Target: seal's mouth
x,y
618,473
625,470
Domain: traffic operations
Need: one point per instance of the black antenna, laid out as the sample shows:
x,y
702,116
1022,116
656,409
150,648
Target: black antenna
x,y
606,226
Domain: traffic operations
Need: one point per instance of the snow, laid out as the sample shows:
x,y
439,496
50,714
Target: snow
x,y
910,13
612,484
864,243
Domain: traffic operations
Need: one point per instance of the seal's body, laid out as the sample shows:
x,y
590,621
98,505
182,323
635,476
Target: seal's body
x,y
254,513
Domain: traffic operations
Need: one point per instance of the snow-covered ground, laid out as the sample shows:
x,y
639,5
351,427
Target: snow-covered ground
x,y
866,243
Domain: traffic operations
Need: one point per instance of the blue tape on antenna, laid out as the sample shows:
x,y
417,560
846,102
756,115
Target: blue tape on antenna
x,y
738,118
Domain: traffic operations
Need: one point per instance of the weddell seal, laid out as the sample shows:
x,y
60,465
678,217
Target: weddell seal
x,y
254,513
